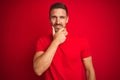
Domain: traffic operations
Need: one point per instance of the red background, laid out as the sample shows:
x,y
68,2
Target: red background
x,y
23,22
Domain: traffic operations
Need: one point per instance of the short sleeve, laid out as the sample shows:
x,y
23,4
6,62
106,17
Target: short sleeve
x,y
40,45
85,49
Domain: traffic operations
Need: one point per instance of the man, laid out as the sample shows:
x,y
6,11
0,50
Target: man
x,y
61,56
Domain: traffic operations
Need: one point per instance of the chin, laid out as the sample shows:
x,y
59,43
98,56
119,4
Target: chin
x,y
56,30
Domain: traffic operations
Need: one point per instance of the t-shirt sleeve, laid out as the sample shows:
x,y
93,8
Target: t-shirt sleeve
x,y
85,49
40,45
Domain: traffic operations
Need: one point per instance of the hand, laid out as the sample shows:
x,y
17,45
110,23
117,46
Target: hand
x,y
60,35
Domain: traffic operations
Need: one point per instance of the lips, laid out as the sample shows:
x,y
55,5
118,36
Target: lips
x,y
58,26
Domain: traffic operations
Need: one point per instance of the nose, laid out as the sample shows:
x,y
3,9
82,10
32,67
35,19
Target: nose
x,y
57,20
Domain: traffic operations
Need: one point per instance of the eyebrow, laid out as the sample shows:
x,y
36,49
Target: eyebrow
x,y
56,16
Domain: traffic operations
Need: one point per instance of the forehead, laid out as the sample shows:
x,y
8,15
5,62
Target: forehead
x,y
58,11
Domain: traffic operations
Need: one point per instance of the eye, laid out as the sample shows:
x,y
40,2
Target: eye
x,y
62,17
53,17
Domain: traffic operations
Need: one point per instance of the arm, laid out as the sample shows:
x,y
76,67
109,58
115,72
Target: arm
x,y
43,59
90,73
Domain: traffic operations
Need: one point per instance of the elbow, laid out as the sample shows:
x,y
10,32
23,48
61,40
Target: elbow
x,y
38,72
90,71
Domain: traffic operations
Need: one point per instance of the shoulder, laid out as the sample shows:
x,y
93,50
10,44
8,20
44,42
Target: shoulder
x,y
78,38
45,38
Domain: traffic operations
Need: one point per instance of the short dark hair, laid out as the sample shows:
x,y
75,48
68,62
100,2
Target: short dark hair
x,y
58,5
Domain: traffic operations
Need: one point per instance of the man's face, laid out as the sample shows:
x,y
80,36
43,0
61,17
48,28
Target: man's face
x,y
58,18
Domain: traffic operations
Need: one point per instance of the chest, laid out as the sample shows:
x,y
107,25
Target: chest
x,y
68,51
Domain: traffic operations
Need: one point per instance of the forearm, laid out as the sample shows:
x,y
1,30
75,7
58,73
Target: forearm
x,y
42,63
90,75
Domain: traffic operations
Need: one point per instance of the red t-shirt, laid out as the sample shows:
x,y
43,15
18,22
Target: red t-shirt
x,y
67,62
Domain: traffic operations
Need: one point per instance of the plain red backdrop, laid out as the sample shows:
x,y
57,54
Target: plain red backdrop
x,y
23,22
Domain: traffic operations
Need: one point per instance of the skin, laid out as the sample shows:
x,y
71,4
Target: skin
x,y
43,59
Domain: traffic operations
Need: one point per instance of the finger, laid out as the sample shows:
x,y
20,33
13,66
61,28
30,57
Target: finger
x,y
66,33
62,29
53,31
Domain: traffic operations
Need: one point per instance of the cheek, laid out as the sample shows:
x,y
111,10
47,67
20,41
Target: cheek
x,y
52,22
64,22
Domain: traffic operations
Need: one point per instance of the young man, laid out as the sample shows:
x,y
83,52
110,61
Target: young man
x,y
61,56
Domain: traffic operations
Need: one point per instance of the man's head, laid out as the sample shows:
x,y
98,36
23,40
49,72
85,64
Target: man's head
x,y
58,15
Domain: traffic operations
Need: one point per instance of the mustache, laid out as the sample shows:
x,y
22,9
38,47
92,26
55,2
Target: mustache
x,y
57,25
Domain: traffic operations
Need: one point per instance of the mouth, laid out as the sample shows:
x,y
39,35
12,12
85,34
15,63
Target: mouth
x,y
58,26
